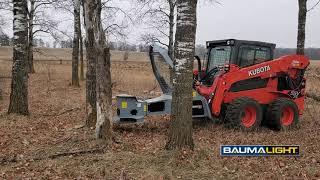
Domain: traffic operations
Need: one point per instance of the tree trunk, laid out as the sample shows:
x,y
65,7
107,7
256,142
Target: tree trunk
x,y
171,36
302,26
180,132
81,50
19,85
75,52
104,91
93,23
30,66
171,30
91,95
81,56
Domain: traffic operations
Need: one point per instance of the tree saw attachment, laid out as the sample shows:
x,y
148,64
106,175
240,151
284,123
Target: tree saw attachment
x,y
130,109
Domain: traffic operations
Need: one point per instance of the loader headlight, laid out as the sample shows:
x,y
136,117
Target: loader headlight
x,y
227,67
295,63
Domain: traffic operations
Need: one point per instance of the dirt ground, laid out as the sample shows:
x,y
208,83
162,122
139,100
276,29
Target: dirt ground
x,y
53,144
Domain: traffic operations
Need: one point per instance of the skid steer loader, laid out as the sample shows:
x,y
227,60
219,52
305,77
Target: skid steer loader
x,y
240,84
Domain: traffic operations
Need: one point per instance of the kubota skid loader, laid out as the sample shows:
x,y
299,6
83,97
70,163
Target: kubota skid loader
x,y
241,84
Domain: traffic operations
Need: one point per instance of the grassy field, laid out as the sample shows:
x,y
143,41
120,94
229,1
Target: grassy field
x,y
47,143
64,54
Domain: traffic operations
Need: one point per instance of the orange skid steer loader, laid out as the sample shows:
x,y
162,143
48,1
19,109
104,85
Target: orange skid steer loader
x,y
241,84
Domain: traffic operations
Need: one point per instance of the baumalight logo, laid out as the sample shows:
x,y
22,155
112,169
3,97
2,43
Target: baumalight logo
x,y
259,150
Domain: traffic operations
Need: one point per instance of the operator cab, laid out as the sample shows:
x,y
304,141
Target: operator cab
x,y
238,52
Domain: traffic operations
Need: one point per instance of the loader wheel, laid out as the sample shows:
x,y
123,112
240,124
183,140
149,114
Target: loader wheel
x,y
283,114
244,113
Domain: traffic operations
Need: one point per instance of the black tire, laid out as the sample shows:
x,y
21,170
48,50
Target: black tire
x,y
236,114
221,118
276,118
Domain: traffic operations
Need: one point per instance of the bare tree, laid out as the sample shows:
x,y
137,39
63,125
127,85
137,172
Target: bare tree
x,y
96,40
180,132
39,22
31,14
76,40
112,28
314,6
5,8
160,17
19,85
6,5
66,6
116,19
91,95
301,26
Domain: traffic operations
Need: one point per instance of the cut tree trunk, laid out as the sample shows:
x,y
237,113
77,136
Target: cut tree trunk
x,y
75,52
180,132
91,95
301,26
19,85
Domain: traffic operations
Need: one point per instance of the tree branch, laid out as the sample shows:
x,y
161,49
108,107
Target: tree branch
x,y
314,6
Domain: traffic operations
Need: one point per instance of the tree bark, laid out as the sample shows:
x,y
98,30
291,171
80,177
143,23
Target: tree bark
x,y
30,66
91,95
301,26
75,52
104,91
172,5
92,10
180,132
171,32
19,85
81,50
81,56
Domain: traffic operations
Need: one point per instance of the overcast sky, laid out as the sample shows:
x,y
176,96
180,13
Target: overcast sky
x,y
265,20
262,20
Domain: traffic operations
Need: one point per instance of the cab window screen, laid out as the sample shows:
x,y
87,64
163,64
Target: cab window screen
x,y
247,56
219,56
250,55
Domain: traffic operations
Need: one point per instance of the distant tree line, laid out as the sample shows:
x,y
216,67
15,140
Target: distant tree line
x,y
5,40
312,53
64,44
201,51
122,46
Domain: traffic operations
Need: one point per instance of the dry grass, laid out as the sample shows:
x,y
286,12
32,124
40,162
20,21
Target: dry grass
x,y
27,143
53,54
